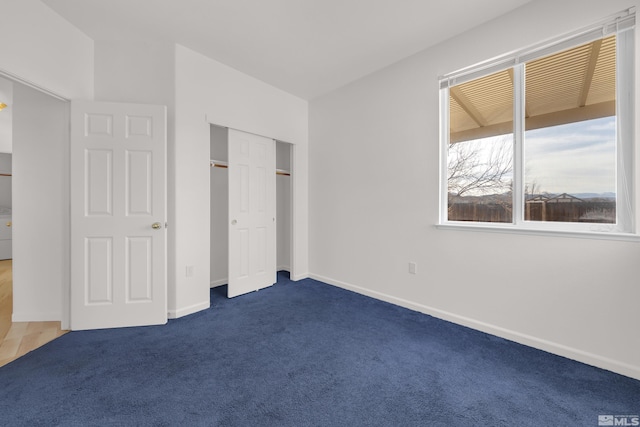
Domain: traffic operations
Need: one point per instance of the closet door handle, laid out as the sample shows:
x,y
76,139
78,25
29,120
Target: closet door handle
x,y
234,222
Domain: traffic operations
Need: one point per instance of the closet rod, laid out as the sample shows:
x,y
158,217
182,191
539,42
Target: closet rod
x,y
221,164
218,164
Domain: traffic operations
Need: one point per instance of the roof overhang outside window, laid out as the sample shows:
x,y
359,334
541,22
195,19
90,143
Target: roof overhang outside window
x,y
570,86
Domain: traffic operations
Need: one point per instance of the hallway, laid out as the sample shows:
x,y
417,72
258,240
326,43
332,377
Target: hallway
x,y
17,339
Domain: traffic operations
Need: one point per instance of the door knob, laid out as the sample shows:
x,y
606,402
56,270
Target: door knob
x,y
156,225
8,224
234,222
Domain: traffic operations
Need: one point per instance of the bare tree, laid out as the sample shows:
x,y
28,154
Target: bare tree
x,y
533,189
480,167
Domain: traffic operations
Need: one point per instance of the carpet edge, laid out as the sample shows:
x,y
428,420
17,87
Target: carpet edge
x,y
578,355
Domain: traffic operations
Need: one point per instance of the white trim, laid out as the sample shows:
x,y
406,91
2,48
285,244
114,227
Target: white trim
x,y
625,137
15,78
509,228
185,311
65,304
294,210
443,212
296,277
528,340
623,25
519,108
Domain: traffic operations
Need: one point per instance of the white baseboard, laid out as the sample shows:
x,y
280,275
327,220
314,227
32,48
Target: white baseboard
x,y
303,276
528,340
218,282
36,317
185,311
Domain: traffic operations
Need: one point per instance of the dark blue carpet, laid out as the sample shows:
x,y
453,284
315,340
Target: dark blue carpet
x,y
304,354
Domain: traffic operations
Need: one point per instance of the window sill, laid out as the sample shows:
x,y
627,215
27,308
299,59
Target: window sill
x,y
512,229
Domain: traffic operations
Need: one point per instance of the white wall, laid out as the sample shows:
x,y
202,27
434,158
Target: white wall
x,y
143,72
137,72
40,205
374,203
210,92
40,47
134,71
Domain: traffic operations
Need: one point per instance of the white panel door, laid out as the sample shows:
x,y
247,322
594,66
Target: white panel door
x,y
252,212
118,214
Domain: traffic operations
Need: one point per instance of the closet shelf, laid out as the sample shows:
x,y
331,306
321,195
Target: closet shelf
x,y
220,164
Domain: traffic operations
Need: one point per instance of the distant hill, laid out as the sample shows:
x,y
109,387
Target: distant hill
x,y
607,195
506,197
584,196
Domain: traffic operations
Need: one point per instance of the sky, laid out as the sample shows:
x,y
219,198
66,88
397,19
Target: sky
x,y
572,158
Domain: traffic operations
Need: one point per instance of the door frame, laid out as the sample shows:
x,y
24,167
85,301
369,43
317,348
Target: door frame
x,y
64,306
295,183
65,291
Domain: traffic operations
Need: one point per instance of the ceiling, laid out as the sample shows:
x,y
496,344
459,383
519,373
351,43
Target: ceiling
x,y
305,47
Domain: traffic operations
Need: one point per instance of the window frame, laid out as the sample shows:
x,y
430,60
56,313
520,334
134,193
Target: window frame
x,y
623,26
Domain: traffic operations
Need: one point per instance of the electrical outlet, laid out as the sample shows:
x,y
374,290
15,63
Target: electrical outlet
x,y
188,271
413,268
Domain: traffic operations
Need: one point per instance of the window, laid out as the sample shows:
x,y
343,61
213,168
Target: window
x,y
542,139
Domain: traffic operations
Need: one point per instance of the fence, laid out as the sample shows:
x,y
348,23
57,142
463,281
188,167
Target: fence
x,y
584,211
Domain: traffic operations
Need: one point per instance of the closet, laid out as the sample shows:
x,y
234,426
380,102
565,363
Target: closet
x,y
222,226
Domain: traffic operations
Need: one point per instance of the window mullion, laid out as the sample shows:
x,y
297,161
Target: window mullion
x,y
625,190
518,140
444,148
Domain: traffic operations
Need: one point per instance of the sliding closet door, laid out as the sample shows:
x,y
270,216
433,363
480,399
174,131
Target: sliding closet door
x,y
252,212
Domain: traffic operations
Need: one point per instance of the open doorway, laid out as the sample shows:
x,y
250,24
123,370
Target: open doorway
x,y
6,282
33,180
219,187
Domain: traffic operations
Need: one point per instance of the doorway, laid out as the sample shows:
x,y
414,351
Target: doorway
x,y
35,259
219,200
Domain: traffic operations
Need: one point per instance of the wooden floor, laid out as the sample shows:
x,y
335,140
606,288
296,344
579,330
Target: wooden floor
x,y
17,339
